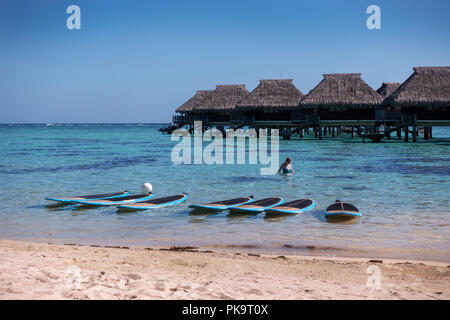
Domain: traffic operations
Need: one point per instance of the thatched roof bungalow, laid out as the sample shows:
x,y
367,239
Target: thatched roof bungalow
x,y
425,95
272,99
272,94
218,106
341,91
427,87
194,101
224,98
342,96
387,88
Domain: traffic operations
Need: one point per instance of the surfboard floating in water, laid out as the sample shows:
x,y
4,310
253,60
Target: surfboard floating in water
x,y
223,204
116,201
258,206
292,207
341,211
90,197
155,203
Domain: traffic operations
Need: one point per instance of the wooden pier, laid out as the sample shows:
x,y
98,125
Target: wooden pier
x,y
340,103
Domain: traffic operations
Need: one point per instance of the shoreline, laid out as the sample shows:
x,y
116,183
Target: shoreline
x,y
33,270
305,250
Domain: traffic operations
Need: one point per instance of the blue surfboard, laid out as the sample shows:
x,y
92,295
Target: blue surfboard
x,y
223,204
341,211
155,203
292,207
90,197
116,201
258,206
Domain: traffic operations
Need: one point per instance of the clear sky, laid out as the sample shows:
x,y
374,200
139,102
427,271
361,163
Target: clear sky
x,y
136,61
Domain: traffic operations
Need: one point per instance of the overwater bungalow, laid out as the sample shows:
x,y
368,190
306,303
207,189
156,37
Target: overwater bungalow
x,y
273,103
217,108
187,109
422,100
342,98
342,101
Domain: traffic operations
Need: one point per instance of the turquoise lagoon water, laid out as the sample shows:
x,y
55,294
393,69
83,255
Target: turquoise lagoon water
x,y
401,188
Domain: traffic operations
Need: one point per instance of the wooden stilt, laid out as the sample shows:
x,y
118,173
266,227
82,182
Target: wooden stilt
x,y
431,133
333,131
353,132
399,133
405,129
414,133
320,132
362,131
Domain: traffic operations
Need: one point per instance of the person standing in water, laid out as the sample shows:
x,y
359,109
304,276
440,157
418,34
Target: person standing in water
x,y
286,166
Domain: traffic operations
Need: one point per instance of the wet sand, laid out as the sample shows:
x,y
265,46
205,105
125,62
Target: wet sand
x,y
52,271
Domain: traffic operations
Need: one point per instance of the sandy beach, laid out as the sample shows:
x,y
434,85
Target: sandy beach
x,y
52,271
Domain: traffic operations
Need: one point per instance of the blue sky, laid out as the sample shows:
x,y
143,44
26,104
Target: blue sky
x,y
136,61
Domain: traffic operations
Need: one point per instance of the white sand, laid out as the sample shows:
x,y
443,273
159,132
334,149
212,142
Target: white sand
x,y
49,271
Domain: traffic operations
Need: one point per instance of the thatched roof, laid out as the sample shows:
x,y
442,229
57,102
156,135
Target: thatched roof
x,y
272,94
225,97
387,88
198,98
426,87
341,90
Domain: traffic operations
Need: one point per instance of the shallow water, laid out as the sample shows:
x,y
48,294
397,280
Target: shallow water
x,y
401,188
